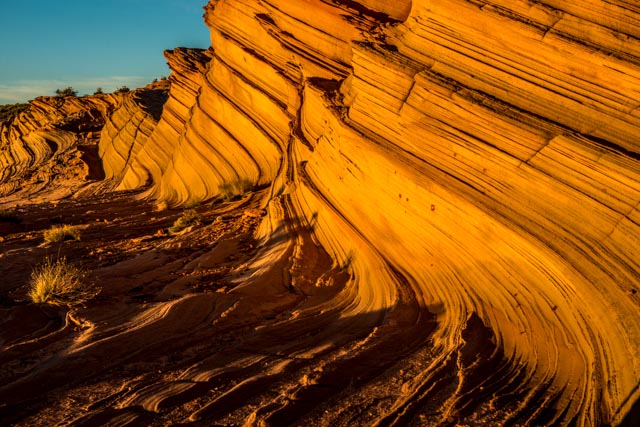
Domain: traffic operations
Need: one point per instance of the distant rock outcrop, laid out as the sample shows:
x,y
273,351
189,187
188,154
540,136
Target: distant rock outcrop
x,y
127,130
50,150
473,167
46,143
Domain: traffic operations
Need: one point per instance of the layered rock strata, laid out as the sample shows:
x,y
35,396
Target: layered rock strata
x,y
451,192
48,141
50,150
475,163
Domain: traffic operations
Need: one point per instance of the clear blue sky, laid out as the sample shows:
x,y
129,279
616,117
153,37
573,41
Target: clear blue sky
x,y
51,44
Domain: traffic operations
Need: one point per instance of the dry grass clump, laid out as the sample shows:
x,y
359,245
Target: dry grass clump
x,y
230,190
60,283
187,219
60,233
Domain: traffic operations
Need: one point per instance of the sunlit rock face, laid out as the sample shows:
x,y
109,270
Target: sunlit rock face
x,y
452,234
474,164
137,149
52,140
128,128
65,146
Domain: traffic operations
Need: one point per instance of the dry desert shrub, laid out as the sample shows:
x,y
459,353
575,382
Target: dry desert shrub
x,y
60,233
187,219
229,190
60,283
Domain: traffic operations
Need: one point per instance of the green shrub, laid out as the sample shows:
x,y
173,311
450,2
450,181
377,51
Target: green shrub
x,y
187,219
68,91
61,233
60,283
230,190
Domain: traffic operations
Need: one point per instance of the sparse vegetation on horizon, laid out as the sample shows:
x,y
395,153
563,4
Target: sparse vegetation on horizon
x,y
230,190
60,283
122,89
98,91
188,218
68,91
10,110
61,233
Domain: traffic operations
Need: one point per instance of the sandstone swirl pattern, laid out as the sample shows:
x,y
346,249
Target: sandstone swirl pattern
x,y
452,192
472,162
51,150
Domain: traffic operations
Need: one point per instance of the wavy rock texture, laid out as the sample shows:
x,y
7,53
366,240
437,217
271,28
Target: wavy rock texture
x,y
451,228
53,140
127,129
148,157
474,163
56,148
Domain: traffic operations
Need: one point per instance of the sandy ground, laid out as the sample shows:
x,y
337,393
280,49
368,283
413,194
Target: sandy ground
x,y
189,329
148,277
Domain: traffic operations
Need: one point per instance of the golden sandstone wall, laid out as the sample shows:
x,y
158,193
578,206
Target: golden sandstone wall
x,y
48,142
472,161
474,167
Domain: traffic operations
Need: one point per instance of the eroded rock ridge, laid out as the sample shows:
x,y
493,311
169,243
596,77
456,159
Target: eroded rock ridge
x,y
451,232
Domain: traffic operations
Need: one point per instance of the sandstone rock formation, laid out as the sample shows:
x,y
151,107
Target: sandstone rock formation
x,y
41,143
50,150
451,192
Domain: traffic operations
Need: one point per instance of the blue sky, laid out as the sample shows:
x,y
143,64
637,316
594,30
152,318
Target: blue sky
x,y
51,44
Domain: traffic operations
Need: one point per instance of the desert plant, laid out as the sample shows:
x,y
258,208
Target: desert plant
x,y
59,233
60,283
68,91
188,218
98,91
230,190
122,89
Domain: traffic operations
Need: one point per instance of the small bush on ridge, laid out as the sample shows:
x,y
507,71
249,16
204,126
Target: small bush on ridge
x,y
60,233
229,190
187,219
68,91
